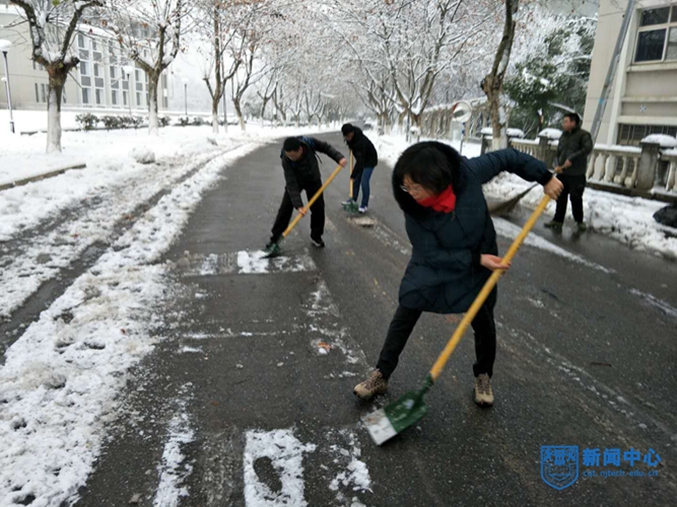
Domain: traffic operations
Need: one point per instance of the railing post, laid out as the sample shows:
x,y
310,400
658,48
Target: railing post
x,y
543,149
671,180
485,144
648,165
610,168
591,165
635,170
624,172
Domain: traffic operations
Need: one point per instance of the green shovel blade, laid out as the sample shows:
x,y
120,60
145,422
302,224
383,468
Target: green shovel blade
x,y
351,207
393,419
272,251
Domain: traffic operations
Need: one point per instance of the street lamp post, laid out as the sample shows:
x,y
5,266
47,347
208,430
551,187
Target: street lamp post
x,y
5,46
128,69
185,95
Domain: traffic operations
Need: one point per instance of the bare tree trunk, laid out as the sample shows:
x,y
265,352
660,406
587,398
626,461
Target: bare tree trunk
x,y
263,110
238,111
493,82
153,81
57,80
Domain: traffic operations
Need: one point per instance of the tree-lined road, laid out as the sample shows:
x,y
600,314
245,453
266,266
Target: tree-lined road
x,y
253,385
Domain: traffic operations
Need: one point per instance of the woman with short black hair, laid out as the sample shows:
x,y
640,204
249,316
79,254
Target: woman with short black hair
x,y
454,248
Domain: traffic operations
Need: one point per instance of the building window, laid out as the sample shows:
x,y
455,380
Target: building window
x,y
631,135
81,41
84,68
43,92
671,52
114,97
124,98
37,95
99,97
138,99
657,37
85,95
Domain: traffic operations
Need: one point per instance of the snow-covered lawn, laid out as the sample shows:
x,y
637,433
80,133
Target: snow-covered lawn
x,y
626,219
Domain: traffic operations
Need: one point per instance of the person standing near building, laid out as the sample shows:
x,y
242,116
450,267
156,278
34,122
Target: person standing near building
x,y
366,159
572,163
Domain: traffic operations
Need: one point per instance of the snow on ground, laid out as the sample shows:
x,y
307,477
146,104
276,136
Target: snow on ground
x,y
174,470
626,219
59,384
106,193
108,158
285,453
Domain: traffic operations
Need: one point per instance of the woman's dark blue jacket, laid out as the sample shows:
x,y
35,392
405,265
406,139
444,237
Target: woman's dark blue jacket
x,y
444,274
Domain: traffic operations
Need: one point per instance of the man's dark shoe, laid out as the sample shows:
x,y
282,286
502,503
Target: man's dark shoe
x,y
317,243
554,225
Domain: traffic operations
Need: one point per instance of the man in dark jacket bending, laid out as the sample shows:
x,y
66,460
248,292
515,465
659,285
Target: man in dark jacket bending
x,y
572,163
302,172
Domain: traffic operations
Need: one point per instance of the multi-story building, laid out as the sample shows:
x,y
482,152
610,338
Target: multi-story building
x,y
103,81
643,97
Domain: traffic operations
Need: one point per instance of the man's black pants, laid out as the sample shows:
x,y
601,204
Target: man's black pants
x,y
286,210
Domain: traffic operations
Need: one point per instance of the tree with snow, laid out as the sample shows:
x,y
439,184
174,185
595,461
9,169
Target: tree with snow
x,y
53,25
401,48
551,69
492,84
150,33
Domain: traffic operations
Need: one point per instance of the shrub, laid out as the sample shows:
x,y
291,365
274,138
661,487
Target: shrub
x,y
87,121
113,122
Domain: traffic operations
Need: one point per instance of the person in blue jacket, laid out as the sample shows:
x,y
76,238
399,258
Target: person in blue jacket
x,y
454,248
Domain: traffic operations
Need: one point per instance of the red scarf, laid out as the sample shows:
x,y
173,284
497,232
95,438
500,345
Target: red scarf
x,y
444,202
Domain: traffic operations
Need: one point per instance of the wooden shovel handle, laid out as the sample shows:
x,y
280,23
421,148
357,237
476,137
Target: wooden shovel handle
x,y
486,290
312,200
351,174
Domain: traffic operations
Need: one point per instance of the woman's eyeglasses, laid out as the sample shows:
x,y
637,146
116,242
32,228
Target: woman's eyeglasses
x,y
413,188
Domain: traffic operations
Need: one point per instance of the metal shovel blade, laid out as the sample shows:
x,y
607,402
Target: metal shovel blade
x,y
503,207
272,251
393,419
351,207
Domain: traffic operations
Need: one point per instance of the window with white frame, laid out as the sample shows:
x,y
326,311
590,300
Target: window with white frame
x,y
657,36
85,67
141,82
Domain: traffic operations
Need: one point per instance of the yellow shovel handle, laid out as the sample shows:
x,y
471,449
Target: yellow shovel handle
x,y
351,174
484,293
312,200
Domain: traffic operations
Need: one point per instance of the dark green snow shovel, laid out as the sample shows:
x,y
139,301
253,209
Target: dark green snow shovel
x,y
391,420
350,205
275,249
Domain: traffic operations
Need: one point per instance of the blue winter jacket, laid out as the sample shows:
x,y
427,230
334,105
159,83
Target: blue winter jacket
x,y
444,274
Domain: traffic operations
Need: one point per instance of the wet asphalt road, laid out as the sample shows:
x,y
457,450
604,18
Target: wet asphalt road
x,y
586,358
